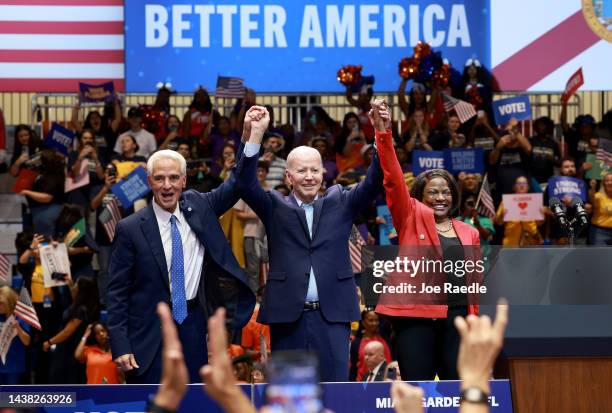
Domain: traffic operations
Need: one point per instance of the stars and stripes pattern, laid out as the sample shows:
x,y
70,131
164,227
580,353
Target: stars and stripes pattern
x,y
604,151
51,45
115,216
25,310
484,204
5,268
230,87
356,241
465,111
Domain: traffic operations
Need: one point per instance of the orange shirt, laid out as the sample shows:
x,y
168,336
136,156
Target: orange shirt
x,y
235,350
101,369
354,159
252,332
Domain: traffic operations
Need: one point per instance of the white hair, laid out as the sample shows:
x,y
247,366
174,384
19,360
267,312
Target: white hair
x,y
167,154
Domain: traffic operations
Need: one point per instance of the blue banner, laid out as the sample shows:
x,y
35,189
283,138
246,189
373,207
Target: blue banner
x,y
464,160
561,186
517,107
386,229
97,93
426,160
293,46
132,187
440,396
59,138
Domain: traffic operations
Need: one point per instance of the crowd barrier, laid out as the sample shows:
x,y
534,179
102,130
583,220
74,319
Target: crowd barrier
x,y
440,397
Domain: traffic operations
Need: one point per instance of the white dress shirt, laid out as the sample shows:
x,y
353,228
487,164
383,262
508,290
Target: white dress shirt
x,y
374,372
193,250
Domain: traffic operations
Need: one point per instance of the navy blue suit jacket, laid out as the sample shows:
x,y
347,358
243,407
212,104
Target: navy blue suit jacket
x,y
138,274
292,251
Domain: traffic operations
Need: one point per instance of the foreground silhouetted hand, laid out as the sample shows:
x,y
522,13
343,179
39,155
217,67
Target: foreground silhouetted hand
x,y
481,342
407,398
218,374
175,377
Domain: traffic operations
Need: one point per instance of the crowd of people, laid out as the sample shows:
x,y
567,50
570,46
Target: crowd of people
x,y
73,345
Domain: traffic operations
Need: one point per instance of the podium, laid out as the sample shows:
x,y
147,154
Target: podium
x,y
559,337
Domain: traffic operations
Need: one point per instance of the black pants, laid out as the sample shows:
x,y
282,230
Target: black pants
x,y
426,347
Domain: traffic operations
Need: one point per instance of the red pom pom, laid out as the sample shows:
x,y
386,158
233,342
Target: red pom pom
x,y
421,50
441,76
408,67
349,75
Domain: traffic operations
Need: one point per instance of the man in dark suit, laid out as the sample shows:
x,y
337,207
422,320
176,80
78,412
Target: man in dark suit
x,y
172,251
374,359
310,295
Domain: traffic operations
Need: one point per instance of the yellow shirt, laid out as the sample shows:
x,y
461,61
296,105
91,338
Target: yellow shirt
x,y
38,285
515,230
602,210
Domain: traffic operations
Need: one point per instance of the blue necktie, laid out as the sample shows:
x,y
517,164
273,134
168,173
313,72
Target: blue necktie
x,y
312,294
177,270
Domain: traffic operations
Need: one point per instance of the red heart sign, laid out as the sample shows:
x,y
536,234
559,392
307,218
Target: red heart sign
x,y
522,205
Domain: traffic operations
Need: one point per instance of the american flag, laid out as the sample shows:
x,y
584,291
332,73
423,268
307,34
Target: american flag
x,y
25,309
51,45
356,241
111,217
465,111
5,268
230,87
604,151
484,203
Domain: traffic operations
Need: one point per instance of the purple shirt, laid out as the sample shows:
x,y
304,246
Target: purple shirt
x,y
217,141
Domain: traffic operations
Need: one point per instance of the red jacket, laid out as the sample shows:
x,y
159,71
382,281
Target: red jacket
x,y
415,226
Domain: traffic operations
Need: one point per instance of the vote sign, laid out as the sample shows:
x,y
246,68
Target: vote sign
x,y
517,107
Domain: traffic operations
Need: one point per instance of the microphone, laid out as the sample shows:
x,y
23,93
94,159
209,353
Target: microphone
x,y
582,216
558,212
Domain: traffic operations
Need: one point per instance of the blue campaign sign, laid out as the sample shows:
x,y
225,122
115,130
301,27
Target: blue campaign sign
x,y
517,107
293,46
59,138
562,186
132,187
440,396
426,160
104,92
464,160
386,229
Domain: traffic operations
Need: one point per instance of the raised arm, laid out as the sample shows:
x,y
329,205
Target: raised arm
x,y
362,195
399,201
401,96
249,189
349,97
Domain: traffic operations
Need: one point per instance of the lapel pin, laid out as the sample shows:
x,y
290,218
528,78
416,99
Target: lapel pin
x,y
189,209
421,237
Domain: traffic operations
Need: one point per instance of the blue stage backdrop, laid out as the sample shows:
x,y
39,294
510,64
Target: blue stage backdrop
x,y
293,46
440,397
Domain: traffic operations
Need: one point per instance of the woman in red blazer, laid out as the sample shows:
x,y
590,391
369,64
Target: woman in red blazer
x,y
427,341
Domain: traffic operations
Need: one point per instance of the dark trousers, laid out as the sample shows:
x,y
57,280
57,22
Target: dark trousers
x,y
311,332
192,333
426,347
